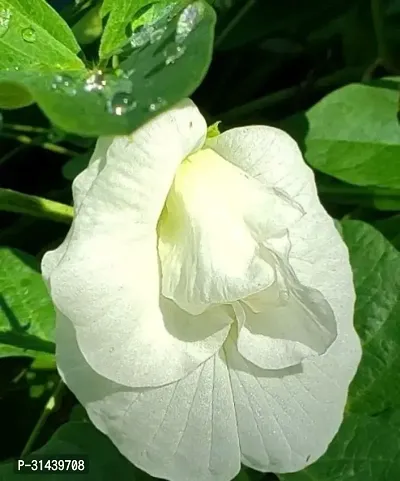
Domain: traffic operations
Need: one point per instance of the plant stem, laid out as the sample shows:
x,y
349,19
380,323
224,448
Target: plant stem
x,y
235,20
26,128
25,139
10,154
12,201
377,18
47,410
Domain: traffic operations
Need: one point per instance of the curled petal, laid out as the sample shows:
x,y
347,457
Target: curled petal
x,y
318,256
279,329
209,233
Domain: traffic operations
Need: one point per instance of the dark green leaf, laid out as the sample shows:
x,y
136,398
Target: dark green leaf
x,y
366,449
26,312
75,166
82,438
376,268
390,228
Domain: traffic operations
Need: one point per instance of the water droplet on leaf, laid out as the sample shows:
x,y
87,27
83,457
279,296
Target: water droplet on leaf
x,y
121,103
29,35
64,83
156,35
173,52
141,36
188,20
157,105
5,18
96,82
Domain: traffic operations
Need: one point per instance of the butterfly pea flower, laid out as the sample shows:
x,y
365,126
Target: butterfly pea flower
x,y
204,301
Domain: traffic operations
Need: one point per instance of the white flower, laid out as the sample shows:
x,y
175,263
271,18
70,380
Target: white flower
x,y
205,301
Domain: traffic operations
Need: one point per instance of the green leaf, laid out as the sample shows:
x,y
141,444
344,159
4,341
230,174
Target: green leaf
x,y
122,13
82,438
88,28
155,75
33,36
376,268
367,447
33,39
353,134
26,311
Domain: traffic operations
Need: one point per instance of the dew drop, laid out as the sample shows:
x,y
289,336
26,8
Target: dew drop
x,y
188,20
96,82
121,103
5,18
156,35
142,36
157,105
173,52
64,83
29,35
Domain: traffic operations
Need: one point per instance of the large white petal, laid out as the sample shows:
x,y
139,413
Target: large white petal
x,y
80,187
318,255
209,233
282,420
287,418
181,432
126,331
106,279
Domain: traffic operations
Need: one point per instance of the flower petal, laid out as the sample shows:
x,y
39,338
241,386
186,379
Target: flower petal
x,y
126,331
318,256
80,187
182,432
106,277
287,418
209,233
282,420
280,329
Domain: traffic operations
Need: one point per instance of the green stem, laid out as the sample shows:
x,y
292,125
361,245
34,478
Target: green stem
x,y
10,154
235,20
12,201
26,128
377,18
47,410
338,78
25,139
